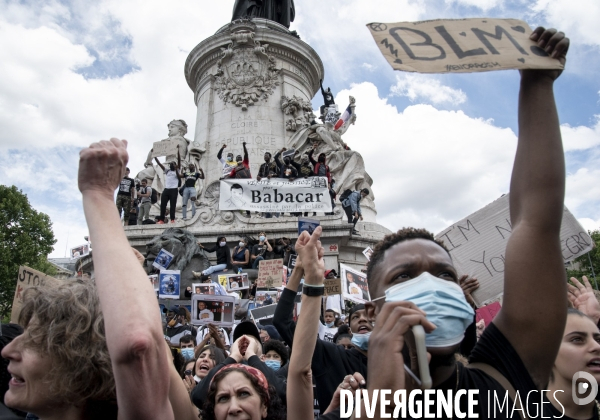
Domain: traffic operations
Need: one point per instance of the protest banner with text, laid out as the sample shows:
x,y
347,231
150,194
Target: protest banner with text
x,y
275,195
28,277
478,246
270,273
460,46
164,148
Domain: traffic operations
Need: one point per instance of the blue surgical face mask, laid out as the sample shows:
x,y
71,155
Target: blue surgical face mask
x,y
329,324
361,340
273,364
222,243
262,238
188,354
442,301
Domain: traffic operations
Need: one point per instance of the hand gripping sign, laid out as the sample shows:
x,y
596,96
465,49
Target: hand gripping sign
x,y
460,45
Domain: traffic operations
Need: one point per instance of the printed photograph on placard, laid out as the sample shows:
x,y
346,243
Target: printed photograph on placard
x,y
169,282
212,309
367,252
306,224
237,281
264,297
154,280
354,284
163,260
204,288
80,251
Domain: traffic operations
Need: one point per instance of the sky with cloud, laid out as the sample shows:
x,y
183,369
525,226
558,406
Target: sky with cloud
x,y
438,147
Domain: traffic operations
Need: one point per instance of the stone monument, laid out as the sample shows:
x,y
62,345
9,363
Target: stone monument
x,y
253,82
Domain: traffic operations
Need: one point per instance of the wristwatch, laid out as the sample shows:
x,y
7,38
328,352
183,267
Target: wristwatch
x,y
311,290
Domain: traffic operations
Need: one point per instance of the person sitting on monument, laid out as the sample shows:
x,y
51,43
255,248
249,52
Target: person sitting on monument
x,y
169,194
228,163
259,250
223,257
268,168
191,175
351,205
240,255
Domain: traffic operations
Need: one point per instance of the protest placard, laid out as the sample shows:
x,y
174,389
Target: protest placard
x,y
164,148
169,282
275,195
367,252
263,312
292,261
270,273
163,260
237,281
154,280
306,224
26,278
333,287
212,309
354,284
487,312
460,45
204,288
223,280
477,245
80,251
261,296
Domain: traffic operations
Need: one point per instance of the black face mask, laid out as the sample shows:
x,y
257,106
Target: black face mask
x,y
172,167
287,161
321,159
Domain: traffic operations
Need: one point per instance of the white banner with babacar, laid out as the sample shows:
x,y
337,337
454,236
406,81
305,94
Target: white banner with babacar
x,y
276,195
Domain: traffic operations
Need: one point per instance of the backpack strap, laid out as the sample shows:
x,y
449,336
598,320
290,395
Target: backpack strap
x,y
501,379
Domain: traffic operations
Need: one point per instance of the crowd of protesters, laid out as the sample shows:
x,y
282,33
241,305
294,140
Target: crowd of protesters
x,y
97,349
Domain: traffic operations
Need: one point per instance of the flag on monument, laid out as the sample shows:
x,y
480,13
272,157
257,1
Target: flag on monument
x,y
345,117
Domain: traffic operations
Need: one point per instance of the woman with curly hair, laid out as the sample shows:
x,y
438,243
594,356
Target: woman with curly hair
x,y
60,366
239,390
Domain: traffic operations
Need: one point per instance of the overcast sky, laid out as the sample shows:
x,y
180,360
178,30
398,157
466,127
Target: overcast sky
x,y
438,147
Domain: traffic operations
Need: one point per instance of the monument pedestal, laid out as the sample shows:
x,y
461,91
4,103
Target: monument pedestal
x,y
253,82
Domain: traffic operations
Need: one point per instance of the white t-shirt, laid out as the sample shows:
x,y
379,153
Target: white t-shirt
x,y
326,333
171,179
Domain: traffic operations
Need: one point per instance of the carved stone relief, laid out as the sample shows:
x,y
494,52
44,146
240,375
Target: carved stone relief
x,y
300,111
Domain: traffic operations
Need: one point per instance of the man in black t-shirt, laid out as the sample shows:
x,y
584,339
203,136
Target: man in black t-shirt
x,y
259,251
413,280
125,196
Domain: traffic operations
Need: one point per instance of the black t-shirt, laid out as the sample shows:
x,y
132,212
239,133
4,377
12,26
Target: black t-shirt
x,y
190,178
125,186
259,250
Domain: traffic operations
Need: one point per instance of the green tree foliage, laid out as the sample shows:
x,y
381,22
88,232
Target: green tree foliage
x,y
583,262
26,238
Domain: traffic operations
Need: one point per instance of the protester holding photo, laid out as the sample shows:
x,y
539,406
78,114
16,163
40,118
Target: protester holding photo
x,y
415,275
191,176
169,193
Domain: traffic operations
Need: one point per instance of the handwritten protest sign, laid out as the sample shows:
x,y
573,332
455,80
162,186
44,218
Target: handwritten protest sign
x,y
275,195
28,277
460,45
478,244
333,287
164,148
270,273
355,285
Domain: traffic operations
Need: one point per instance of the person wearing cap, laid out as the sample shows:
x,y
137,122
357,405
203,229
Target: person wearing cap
x,y
245,332
330,363
177,325
268,332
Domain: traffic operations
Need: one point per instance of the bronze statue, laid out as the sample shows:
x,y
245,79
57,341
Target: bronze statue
x,y
280,11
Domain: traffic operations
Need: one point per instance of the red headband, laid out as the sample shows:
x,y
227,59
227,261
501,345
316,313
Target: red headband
x,y
262,380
